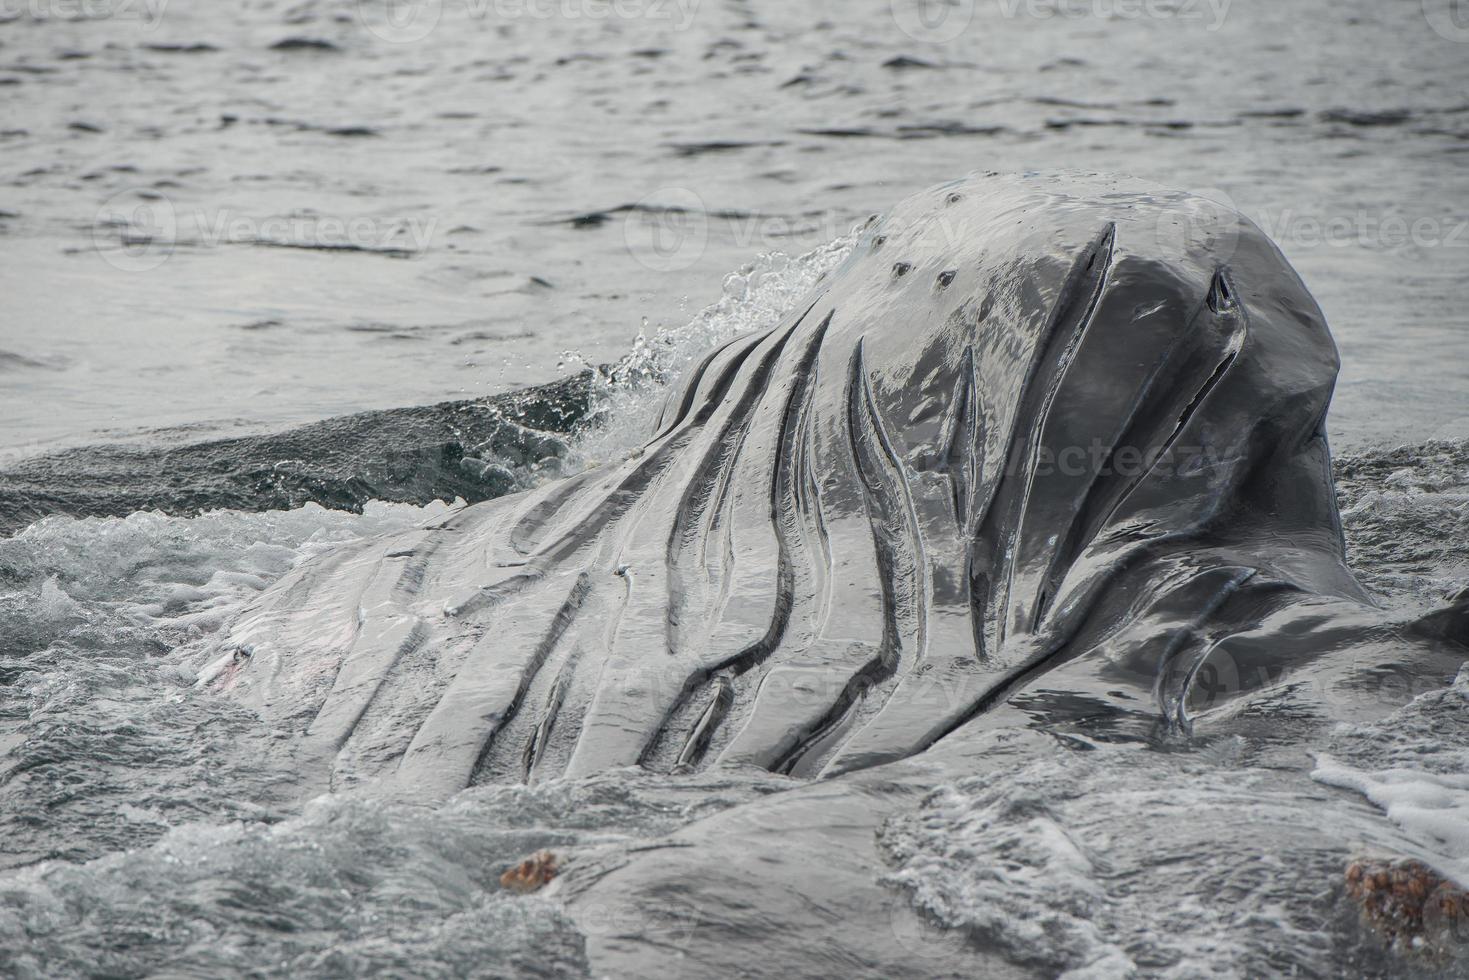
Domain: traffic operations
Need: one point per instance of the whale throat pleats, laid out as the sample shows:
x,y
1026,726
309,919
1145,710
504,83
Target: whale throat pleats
x,y
1017,429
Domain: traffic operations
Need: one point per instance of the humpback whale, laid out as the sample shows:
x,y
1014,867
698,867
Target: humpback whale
x,y
1045,451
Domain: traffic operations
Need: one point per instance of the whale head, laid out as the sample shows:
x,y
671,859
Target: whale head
x,y
1031,421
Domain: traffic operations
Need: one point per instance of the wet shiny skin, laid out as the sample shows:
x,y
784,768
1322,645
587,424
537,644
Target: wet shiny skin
x,y
858,533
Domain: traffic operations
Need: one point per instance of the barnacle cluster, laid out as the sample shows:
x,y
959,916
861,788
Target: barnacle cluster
x,y
1410,904
532,874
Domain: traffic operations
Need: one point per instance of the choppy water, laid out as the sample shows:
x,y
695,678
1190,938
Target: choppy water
x,y
140,832
229,216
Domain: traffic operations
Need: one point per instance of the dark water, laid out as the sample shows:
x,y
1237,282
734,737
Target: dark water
x,y
470,450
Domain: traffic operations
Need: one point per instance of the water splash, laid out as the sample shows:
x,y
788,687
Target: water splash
x,y
102,621
626,399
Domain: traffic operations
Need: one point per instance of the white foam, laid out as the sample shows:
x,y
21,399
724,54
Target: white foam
x,y
1432,808
1424,787
173,580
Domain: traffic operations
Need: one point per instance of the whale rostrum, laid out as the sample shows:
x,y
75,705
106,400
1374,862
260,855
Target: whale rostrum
x,y
1045,450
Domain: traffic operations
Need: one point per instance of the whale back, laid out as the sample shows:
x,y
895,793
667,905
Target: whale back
x,y
1028,418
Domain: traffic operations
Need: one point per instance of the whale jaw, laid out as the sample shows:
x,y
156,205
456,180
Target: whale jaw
x,y
1022,432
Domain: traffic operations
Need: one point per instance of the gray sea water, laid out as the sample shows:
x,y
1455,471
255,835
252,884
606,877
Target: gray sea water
x,y
229,220
240,215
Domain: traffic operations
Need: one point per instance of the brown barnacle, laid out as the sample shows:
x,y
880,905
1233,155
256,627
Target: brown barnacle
x,y
1410,905
1354,879
530,875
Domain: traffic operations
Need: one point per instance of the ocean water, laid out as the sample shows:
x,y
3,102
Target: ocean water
x,y
542,193
230,217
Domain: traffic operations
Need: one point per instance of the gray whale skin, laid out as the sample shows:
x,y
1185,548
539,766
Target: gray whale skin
x,y
1046,455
